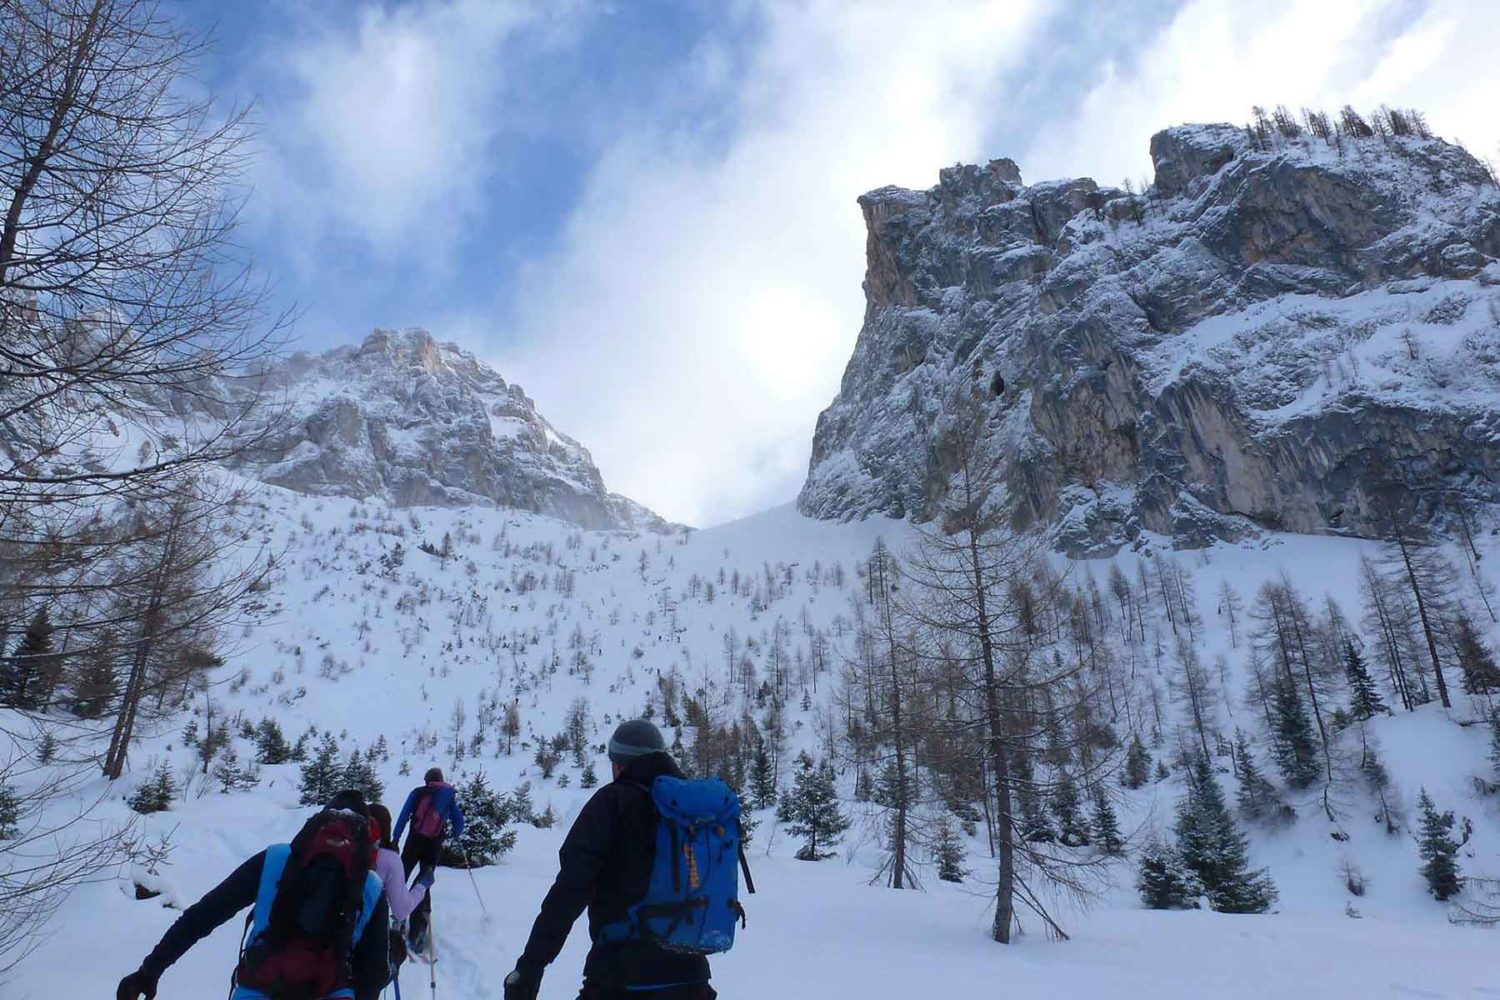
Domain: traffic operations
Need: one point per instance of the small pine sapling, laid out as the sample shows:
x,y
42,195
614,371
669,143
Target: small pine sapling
x,y
1106,825
948,852
10,812
1439,850
156,794
811,810
1137,764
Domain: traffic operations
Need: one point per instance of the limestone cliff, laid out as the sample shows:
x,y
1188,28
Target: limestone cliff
x,y
1262,338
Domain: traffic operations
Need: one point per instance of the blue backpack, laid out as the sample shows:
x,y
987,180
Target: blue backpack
x,y
692,904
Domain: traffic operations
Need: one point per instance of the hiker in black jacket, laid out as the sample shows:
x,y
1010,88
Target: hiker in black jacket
x,y
361,976
605,865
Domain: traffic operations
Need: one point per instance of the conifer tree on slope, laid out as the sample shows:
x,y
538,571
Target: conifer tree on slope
x,y
1137,764
1164,882
1257,798
1071,829
1293,744
1214,849
321,775
1106,824
949,852
1439,850
22,673
762,776
811,810
1364,697
1481,676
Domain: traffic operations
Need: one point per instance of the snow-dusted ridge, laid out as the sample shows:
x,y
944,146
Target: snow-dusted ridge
x,y
409,420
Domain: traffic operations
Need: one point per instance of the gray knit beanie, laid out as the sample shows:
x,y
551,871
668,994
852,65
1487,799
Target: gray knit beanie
x,y
635,738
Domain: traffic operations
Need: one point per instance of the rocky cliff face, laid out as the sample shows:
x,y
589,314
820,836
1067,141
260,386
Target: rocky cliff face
x,y
1262,339
413,421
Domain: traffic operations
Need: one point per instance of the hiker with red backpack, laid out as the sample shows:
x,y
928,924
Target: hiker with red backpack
x,y
655,858
432,809
318,927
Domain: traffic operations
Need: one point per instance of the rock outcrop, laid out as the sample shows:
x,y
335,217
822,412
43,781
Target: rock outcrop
x,y
412,421
1263,339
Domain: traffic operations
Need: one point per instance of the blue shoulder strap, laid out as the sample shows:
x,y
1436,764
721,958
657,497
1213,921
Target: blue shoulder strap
x,y
265,896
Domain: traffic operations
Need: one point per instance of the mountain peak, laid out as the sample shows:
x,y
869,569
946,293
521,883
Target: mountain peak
x,y
413,421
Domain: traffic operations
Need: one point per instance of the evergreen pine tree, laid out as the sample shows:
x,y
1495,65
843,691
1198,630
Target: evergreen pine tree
x,y
10,812
1258,800
1137,764
1294,747
231,775
1162,774
589,778
485,839
1439,850
321,775
1034,827
1106,824
96,683
1495,746
1072,831
359,773
156,793
1164,882
1364,697
762,777
1475,660
270,743
24,679
948,851
46,748
811,810
1215,850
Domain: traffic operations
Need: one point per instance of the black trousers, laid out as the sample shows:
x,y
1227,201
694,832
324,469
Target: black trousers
x,y
419,852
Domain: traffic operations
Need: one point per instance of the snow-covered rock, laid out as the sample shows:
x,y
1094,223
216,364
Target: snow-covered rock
x,y
1257,341
412,421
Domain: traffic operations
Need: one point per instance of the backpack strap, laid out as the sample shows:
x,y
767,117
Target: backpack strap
x,y
745,867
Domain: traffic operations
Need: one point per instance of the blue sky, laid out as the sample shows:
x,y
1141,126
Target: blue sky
x,y
644,212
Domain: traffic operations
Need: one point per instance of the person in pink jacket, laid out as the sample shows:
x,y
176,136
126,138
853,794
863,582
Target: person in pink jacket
x,y
402,900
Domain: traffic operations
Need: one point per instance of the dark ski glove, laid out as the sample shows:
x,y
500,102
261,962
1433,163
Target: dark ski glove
x,y
427,876
521,984
139,984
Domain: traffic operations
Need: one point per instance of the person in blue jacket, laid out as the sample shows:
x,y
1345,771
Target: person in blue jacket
x,y
432,809
359,973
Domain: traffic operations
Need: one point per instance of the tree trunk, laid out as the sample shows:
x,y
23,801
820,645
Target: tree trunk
x,y
1416,589
1005,887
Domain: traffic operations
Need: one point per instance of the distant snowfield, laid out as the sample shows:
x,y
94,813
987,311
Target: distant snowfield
x,y
816,931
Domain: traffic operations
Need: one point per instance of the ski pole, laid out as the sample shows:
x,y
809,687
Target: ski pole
x,y
469,862
432,951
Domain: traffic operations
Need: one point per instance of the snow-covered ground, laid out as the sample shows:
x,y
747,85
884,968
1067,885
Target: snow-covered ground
x,y
362,654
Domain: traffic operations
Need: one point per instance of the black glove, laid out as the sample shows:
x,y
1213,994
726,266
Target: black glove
x,y
138,984
522,984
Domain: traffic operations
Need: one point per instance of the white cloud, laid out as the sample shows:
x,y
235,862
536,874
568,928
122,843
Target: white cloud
x,y
1217,58
706,296
380,122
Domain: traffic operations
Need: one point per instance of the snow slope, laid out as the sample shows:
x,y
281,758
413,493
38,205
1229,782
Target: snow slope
x,y
367,656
